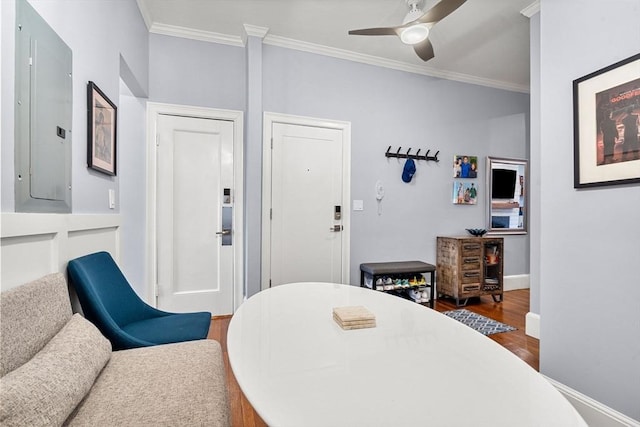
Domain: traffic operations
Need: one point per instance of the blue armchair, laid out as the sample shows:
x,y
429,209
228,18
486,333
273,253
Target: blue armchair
x,y
109,302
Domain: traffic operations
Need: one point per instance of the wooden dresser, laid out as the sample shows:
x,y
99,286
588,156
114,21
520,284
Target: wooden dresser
x,y
470,267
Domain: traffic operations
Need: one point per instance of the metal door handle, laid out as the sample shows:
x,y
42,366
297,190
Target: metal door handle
x,y
336,228
226,224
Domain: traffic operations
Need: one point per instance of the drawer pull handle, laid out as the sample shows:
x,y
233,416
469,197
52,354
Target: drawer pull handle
x,y
471,260
474,246
476,274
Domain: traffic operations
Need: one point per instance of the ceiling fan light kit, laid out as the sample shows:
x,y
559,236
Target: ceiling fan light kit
x,y
414,34
416,25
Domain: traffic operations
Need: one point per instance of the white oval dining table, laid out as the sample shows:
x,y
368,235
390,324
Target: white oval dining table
x,y
416,367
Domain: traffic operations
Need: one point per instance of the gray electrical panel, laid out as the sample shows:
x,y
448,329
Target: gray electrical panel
x,y
44,94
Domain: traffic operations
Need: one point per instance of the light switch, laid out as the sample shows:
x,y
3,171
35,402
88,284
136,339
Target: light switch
x,y
358,205
112,199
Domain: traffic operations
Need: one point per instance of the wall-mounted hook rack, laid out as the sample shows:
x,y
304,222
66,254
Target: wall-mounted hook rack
x,y
408,155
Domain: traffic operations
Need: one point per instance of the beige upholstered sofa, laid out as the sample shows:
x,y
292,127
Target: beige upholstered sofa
x,y
57,369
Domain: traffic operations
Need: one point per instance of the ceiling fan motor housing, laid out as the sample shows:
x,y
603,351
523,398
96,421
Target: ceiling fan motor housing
x,y
414,11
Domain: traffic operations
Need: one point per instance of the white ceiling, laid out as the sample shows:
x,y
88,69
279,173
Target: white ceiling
x,y
484,41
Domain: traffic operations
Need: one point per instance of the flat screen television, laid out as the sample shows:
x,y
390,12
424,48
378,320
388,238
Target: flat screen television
x,y
503,183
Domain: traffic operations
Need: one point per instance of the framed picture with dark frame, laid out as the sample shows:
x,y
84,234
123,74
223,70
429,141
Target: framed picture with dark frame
x,y
606,111
101,131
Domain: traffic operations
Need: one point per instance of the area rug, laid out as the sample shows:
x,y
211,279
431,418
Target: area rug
x,y
482,324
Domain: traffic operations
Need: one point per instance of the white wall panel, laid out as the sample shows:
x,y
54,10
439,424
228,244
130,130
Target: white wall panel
x,y
26,258
32,245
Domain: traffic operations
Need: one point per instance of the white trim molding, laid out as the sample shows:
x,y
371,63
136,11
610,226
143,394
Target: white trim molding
x,y
592,411
389,63
155,109
193,34
255,31
516,281
532,9
532,325
269,39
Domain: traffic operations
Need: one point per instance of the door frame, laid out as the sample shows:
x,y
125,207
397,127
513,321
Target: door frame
x,y
269,119
154,110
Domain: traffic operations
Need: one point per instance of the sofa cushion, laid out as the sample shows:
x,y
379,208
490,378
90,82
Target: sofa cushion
x,y
31,315
46,389
164,385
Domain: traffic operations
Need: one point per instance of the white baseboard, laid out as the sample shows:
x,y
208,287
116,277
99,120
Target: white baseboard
x,y
517,281
593,412
532,325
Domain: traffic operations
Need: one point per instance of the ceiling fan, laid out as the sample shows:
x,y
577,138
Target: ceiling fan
x,y
415,26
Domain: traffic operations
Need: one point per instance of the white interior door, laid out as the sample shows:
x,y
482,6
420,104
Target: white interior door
x,y
194,254
306,235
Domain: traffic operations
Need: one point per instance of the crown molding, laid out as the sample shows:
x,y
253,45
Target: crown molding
x,y
190,33
389,63
255,31
532,9
262,32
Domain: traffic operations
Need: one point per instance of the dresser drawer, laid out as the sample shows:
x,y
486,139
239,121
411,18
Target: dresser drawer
x,y
470,263
471,287
471,249
471,276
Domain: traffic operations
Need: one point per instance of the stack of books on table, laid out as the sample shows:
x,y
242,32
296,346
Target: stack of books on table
x,y
354,317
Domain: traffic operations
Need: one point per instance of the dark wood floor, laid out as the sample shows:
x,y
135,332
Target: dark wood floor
x,y
512,311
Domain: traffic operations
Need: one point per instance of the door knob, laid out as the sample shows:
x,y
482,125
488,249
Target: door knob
x,y
224,232
336,228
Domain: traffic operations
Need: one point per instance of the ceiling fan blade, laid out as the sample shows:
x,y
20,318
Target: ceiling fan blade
x,y
440,11
388,31
424,50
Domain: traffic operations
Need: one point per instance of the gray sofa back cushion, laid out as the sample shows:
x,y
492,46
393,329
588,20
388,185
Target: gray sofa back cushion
x,y
46,389
32,314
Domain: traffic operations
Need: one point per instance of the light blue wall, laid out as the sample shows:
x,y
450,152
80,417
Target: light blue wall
x,y
385,107
132,196
196,73
7,72
102,53
588,240
98,45
590,250
388,107
253,166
